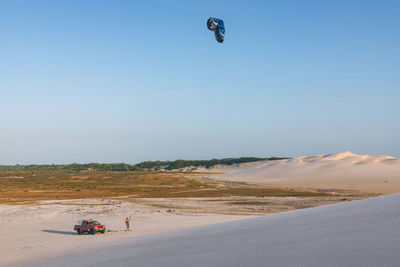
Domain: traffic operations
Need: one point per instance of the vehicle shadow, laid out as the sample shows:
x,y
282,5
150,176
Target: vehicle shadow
x,y
59,232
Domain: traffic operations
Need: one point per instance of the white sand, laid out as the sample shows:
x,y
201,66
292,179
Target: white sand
x,y
41,231
358,234
374,174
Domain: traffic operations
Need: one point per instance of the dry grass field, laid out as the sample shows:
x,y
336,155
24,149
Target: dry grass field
x,y
21,187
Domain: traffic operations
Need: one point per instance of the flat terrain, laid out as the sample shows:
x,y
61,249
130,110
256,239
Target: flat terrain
x,y
360,233
21,187
45,229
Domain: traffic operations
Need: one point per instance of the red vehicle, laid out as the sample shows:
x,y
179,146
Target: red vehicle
x,y
90,227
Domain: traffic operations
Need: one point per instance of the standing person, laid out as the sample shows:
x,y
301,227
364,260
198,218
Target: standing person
x,y
127,223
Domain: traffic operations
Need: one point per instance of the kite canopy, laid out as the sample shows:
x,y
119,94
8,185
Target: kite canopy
x,y
217,26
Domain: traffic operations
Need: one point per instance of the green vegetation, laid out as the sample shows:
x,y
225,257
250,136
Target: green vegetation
x,y
180,163
143,166
71,167
23,187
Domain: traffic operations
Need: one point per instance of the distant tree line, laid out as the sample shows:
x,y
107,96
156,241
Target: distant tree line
x,y
143,166
71,167
180,163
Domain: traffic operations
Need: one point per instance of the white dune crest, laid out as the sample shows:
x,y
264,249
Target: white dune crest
x,y
344,170
343,155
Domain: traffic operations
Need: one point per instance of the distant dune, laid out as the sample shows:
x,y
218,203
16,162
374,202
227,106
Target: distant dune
x,y
375,174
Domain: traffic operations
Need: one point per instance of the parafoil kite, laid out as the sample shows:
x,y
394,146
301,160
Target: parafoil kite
x,y
217,26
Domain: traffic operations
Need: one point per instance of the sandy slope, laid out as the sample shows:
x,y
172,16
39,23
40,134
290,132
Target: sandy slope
x,y
360,233
222,168
375,174
42,231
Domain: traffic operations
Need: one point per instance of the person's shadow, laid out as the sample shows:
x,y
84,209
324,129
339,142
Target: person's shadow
x,y
59,232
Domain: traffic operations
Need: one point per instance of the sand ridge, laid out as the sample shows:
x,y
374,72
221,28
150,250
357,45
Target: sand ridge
x,y
375,174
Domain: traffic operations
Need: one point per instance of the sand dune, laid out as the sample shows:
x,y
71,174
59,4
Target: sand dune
x,y
375,174
347,234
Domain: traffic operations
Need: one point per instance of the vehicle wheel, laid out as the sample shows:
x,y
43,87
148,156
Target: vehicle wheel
x,y
91,231
103,231
78,231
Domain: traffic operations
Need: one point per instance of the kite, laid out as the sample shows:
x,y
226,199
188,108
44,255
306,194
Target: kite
x,y
217,26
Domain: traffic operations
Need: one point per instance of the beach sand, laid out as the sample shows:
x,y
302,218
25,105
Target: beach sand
x,y
33,232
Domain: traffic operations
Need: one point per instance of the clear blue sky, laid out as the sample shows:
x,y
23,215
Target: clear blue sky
x,y
127,81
